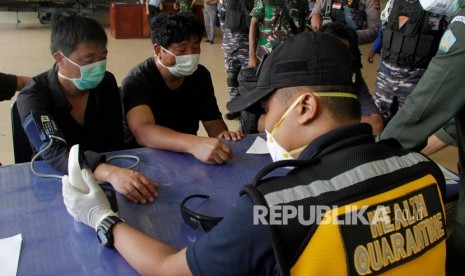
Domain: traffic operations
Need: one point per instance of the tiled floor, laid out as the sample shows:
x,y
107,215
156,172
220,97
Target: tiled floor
x,y
24,50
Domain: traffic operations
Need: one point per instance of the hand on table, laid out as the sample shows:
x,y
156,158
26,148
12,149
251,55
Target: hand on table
x,y
211,150
133,185
231,135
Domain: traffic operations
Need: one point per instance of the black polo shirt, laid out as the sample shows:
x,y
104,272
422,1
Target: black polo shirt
x,y
7,86
103,120
180,109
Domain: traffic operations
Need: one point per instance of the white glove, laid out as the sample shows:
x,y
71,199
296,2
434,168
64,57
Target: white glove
x,y
89,208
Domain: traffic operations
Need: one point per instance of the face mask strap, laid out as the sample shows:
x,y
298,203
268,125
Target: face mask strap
x,y
335,94
161,63
72,62
75,64
293,105
167,51
292,152
317,94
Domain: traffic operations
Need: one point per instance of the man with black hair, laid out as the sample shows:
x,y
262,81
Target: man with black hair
x,y
10,83
84,101
167,95
313,115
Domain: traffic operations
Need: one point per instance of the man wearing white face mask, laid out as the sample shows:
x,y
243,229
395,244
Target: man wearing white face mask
x,y
84,101
167,95
305,86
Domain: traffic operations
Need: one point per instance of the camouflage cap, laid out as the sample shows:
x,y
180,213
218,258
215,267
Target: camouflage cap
x,y
307,59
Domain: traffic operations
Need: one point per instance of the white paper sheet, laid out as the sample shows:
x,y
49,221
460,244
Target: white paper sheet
x,y
258,147
9,255
448,175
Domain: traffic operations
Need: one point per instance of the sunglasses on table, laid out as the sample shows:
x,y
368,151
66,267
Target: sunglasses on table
x,y
196,220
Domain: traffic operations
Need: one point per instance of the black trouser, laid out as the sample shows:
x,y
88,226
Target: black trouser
x,y
152,12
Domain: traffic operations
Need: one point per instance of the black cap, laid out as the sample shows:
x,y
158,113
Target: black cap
x,y
307,59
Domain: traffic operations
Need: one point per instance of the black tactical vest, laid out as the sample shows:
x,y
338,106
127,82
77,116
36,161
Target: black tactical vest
x,y
237,15
411,37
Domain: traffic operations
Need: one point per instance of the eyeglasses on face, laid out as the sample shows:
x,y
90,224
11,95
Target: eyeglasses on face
x,y
194,219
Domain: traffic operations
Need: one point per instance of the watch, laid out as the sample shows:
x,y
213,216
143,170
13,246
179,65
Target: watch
x,y
105,230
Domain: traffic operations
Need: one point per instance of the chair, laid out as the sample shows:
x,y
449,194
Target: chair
x,y
21,146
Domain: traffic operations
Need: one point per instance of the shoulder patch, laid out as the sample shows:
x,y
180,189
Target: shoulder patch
x,y
458,18
402,20
447,41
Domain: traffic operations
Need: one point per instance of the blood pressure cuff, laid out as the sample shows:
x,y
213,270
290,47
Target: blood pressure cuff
x,y
40,127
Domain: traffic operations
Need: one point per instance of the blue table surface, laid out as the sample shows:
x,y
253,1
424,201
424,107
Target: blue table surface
x,y
54,244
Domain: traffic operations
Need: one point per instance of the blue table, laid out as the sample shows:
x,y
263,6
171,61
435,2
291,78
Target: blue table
x,y
54,244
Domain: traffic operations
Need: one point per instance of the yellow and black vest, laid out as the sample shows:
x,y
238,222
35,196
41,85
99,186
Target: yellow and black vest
x,y
411,37
382,212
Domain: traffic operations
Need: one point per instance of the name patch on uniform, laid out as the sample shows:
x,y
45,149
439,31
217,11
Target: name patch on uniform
x,y
447,41
458,18
398,231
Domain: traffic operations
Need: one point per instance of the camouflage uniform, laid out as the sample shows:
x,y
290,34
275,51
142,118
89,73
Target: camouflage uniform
x,y
235,48
184,5
236,54
275,26
393,85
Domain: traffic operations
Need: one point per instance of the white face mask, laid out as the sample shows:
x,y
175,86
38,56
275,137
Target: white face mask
x,y
277,152
185,65
443,7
